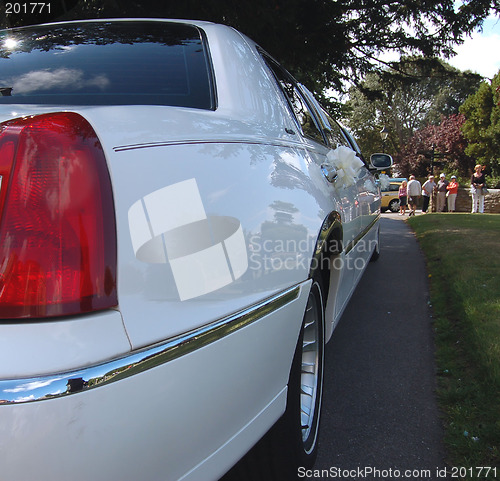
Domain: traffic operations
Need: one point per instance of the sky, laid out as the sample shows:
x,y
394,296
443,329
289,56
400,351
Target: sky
x,y
481,52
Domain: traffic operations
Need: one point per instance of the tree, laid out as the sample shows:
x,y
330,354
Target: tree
x,y
325,43
450,141
443,143
421,94
482,125
414,157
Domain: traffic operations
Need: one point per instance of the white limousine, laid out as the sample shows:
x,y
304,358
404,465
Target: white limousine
x,y
181,227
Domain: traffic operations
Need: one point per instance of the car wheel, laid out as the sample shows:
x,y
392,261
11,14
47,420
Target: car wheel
x,y
293,441
394,205
311,360
298,428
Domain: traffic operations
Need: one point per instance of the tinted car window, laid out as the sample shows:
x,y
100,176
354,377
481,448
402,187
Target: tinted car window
x,y
335,133
106,63
295,100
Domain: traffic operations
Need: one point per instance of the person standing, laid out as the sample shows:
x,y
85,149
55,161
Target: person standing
x,y
452,188
403,197
427,189
441,193
414,192
477,182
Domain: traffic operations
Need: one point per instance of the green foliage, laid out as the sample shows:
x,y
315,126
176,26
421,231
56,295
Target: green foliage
x,y
482,127
463,258
420,93
324,43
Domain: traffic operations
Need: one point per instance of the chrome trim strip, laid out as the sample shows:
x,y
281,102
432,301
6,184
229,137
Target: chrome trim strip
x,y
274,143
57,385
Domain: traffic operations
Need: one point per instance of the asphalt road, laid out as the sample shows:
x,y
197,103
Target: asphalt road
x,y
380,418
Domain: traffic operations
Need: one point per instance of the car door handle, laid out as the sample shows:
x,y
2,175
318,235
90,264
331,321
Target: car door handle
x,y
329,171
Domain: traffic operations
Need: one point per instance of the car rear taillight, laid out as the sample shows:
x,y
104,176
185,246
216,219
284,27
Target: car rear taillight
x,y
57,221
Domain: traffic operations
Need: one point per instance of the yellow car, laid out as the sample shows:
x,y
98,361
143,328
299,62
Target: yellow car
x,y
390,195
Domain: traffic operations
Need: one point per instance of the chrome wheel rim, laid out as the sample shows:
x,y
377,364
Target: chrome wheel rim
x,y
394,206
310,366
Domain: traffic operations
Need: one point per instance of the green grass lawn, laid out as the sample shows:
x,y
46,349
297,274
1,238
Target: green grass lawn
x,y
463,258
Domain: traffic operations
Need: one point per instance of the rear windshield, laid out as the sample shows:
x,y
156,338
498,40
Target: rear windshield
x,y
110,63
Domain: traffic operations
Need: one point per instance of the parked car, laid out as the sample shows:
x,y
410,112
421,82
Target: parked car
x,y
390,195
182,226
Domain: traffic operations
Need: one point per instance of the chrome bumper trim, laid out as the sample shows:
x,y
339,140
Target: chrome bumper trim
x,y
57,385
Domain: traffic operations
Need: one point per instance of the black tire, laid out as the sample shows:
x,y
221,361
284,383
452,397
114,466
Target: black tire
x,y
295,436
291,444
394,205
306,380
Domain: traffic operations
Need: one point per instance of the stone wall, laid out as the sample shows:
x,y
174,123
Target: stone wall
x,y
491,201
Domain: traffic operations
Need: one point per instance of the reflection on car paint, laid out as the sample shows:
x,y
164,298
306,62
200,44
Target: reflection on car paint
x,y
189,240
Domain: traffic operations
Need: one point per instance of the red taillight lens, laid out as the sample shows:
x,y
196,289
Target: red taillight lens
x,y
57,229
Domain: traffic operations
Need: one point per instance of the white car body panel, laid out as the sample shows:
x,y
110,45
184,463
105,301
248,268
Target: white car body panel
x,y
216,211
48,347
117,436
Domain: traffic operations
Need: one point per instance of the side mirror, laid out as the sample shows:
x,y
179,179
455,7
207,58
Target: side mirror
x,y
380,161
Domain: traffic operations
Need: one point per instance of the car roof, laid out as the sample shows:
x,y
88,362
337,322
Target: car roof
x,y
198,23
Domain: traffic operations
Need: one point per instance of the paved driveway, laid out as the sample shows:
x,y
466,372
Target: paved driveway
x,y
379,409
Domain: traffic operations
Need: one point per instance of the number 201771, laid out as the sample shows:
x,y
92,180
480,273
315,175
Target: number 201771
x,y
35,7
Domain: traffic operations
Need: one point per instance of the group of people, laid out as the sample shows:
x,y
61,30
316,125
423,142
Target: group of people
x,y
411,191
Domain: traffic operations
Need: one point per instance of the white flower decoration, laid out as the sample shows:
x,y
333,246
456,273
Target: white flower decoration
x,y
347,164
